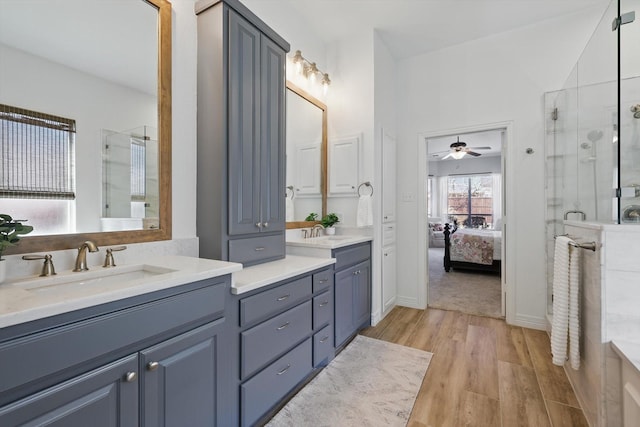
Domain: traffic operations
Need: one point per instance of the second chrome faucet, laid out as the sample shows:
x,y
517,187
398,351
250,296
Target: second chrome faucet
x,y
81,259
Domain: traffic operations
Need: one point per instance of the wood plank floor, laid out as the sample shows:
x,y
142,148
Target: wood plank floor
x,y
483,372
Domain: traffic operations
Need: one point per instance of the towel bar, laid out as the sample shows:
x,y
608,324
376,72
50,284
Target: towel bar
x,y
592,246
366,184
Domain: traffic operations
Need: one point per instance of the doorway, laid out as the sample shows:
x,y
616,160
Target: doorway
x,y
464,188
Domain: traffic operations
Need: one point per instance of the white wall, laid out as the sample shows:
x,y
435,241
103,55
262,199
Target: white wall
x,y
491,164
492,80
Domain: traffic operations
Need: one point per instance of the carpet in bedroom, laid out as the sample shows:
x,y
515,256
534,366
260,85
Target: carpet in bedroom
x,y
370,383
462,290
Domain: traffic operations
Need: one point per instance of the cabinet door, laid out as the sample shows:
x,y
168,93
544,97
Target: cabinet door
x,y
389,287
388,178
343,306
272,148
362,295
344,160
244,126
182,379
100,398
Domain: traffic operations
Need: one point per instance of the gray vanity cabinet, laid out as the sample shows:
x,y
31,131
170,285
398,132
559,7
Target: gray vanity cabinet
x,y
241,135
153,360
352,291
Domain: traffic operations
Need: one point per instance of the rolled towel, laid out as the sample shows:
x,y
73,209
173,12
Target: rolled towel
x,y
574,307
365,211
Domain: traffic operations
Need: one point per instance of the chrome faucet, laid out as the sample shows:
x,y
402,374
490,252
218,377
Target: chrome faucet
x,y
81,259
315,230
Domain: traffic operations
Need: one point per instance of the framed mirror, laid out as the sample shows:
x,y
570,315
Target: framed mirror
x,y
306,178
105,68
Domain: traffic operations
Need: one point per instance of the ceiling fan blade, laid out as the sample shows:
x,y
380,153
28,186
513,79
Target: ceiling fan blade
x,y
471,153
480,148
437,153
446,157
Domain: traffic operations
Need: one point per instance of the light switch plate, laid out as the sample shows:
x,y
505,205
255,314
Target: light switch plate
x,y
408,197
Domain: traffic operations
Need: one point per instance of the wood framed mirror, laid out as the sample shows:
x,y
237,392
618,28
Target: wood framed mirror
x,y
306,177
102,20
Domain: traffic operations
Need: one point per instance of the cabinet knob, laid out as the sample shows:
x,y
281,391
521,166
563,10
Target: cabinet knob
x,y
152,366
284,370
385,217
259,224
130,377
265,224
386,254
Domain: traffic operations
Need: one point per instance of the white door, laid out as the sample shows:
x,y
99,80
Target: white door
x,y
388,178
389,286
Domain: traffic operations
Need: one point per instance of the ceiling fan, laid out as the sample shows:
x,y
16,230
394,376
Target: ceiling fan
x,y
459,150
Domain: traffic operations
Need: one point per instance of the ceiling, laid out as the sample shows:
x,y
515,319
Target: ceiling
x,y
438,147
412,27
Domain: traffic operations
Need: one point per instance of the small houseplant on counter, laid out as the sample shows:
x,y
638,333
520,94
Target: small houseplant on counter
x,y
10,232
328,222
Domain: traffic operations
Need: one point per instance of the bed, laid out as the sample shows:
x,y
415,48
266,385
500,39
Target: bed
x,y
472,248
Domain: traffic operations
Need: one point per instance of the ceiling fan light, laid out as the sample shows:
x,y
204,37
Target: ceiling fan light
x,y
458,154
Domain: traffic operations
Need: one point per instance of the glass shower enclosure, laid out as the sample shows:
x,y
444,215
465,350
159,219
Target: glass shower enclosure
x,y
592,131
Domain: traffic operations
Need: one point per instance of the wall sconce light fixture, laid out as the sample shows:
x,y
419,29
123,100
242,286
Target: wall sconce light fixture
x,y
310,71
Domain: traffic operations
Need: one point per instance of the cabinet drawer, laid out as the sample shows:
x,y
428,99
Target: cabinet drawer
x,y
322,280
322,309
255,249
351,255
262,343
322,344
79,342
266,389
264,304
388,234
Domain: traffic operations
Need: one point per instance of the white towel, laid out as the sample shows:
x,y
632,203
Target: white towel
x,y
289,210
566,284
365,211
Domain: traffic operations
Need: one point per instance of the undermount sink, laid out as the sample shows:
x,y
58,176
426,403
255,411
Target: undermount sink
x,y
108,277
334,238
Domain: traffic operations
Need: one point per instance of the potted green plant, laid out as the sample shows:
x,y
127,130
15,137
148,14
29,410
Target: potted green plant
x,y
10,232
312,217
328,221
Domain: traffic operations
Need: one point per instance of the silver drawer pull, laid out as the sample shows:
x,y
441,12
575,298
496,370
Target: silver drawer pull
x,y
283,297
259,248
284,370
130,377
324,339
279,328
321,281
322,304
152,366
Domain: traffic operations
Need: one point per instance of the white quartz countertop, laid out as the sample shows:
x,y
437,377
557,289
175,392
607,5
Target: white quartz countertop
x,y
34,297
257,276
328,242
628,351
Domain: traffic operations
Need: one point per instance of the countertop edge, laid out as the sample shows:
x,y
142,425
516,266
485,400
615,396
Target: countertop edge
x,y
629,351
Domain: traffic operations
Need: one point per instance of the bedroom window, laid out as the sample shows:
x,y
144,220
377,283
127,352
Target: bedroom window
x,y
37,174
470,200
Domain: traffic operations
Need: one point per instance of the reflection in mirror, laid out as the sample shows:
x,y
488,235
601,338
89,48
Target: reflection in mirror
x,y
306,156
106,66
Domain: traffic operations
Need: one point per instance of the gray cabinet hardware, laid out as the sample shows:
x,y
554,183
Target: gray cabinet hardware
x,y
284,370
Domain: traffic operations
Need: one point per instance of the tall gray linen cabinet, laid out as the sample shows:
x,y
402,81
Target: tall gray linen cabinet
x,y
241,135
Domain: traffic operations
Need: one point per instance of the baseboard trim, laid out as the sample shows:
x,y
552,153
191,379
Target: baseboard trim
x,y
408,302
531,322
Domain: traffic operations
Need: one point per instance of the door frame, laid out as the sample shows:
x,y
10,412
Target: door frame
x,y
508,294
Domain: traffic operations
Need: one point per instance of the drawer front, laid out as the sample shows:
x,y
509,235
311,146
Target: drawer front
x,y
262,343
322,309
388,234
322,280
257,249
267,303
266,389
322,344
351,255
70,345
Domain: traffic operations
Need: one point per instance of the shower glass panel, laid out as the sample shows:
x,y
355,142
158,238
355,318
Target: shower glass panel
x,y
629,119
582,138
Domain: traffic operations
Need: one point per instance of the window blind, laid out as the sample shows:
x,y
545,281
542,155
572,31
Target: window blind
x,y
138,169
36,155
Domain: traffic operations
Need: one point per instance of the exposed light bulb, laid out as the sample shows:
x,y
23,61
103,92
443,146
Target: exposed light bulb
x,y
298,62
313,71
458,154
325,83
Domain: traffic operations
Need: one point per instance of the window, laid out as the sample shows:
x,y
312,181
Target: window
x,y
470,200
430,197
37,168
